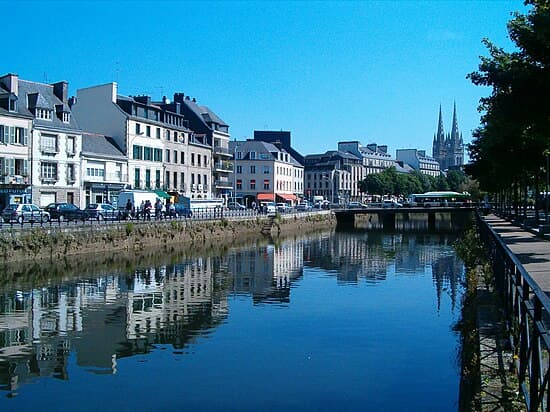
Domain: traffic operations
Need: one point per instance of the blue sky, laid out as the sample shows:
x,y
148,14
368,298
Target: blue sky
x,y
373,71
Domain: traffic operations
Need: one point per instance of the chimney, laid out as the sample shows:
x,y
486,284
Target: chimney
x,y
61,90
178,97
11,82
194,100
72,101
143,99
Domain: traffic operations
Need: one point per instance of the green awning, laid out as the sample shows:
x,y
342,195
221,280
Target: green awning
x,y
162,194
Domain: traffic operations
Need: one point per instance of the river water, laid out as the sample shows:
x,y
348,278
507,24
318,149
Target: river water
x,y
333,321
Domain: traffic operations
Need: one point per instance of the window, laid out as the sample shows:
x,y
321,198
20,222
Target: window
x,y
239,184
147,153
157,155
175,156
252,155
148,131
157,179
182,158
66,117
138,128
14,135
167,133
48,171
71,148
158,132
266,170
252,169
239,155
239,169
168,155
44,114
71,173
48,143
198,160
167,179
192,159
148,178
266,184
12,104
95,170
182,180
253,184
138,152
137,178
175,180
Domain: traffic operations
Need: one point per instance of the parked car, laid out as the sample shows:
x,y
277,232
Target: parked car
x,y
356,205
270,208
235,206
283,208
26,212
391,203
65,211
303,207
101,211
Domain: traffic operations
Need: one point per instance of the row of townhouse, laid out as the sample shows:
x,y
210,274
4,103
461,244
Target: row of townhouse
x,y
87,148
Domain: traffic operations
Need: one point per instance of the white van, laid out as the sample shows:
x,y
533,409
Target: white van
x,y
135,197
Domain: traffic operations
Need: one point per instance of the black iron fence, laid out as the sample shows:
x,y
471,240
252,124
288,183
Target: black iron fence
x,y
528,315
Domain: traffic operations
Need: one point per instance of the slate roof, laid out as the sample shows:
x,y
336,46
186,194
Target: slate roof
x,y
260,148
32,94
100,145
210,116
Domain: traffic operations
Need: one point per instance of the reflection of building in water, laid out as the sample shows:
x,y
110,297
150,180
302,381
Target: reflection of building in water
x,y
104,319
352,257
267,271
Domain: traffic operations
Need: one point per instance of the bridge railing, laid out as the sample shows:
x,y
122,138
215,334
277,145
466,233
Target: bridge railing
x,y
528,315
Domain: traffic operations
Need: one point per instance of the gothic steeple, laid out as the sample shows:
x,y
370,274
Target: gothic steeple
x,y
440,132
455,135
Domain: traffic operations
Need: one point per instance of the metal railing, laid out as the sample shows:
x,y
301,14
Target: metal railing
x,y
528,313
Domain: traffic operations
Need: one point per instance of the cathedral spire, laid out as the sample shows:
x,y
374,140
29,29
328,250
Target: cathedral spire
x,y
440,132
455,136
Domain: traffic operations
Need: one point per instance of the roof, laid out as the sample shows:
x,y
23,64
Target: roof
x,y
100,145
210,116
40,95
260,147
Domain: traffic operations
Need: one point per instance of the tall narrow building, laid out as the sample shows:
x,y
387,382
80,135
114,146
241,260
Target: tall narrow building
x,y
448,150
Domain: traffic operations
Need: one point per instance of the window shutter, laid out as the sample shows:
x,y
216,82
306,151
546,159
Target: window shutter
x,y
6,167
1,134
11,167
25,137
12,135
25,167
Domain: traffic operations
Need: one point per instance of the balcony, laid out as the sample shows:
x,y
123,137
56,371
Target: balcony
x,y
223,184
15,180
223,166
220,150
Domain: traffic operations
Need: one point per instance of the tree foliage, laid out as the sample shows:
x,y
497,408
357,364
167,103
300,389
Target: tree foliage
x,y
510,144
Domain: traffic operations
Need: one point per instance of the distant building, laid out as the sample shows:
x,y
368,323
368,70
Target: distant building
x,y
282,138
419,161
335,175
448,150
375,157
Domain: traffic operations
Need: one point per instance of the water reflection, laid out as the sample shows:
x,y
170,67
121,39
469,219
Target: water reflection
x,y
101,320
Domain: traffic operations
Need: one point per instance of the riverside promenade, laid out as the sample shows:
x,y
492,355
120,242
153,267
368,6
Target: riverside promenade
x,y
523,273
532,250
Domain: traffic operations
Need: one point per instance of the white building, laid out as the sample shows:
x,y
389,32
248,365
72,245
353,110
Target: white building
x,y
162,151
419,161
265,172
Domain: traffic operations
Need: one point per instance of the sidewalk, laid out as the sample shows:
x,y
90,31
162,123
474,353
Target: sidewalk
x,y
532,250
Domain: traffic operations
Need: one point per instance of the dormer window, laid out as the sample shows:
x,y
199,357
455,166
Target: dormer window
x,y
12,103
44,114
66,117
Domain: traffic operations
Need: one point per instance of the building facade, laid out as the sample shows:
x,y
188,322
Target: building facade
x,y
266,172
419,161
335,175
448,150
375,157
15,130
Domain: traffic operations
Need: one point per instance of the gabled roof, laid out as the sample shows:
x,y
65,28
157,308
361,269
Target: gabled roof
x,y
260,147
210,116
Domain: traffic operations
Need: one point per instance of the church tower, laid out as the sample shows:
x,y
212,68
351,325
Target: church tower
x,y
448,150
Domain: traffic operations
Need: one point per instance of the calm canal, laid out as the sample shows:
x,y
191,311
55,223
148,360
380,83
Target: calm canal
x,y
337,321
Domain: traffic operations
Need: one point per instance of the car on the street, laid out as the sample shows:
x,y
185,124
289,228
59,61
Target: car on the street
x,y
283,208
183,211
303,206
391,203
101,211
356,205
235,206
65,211
24,212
